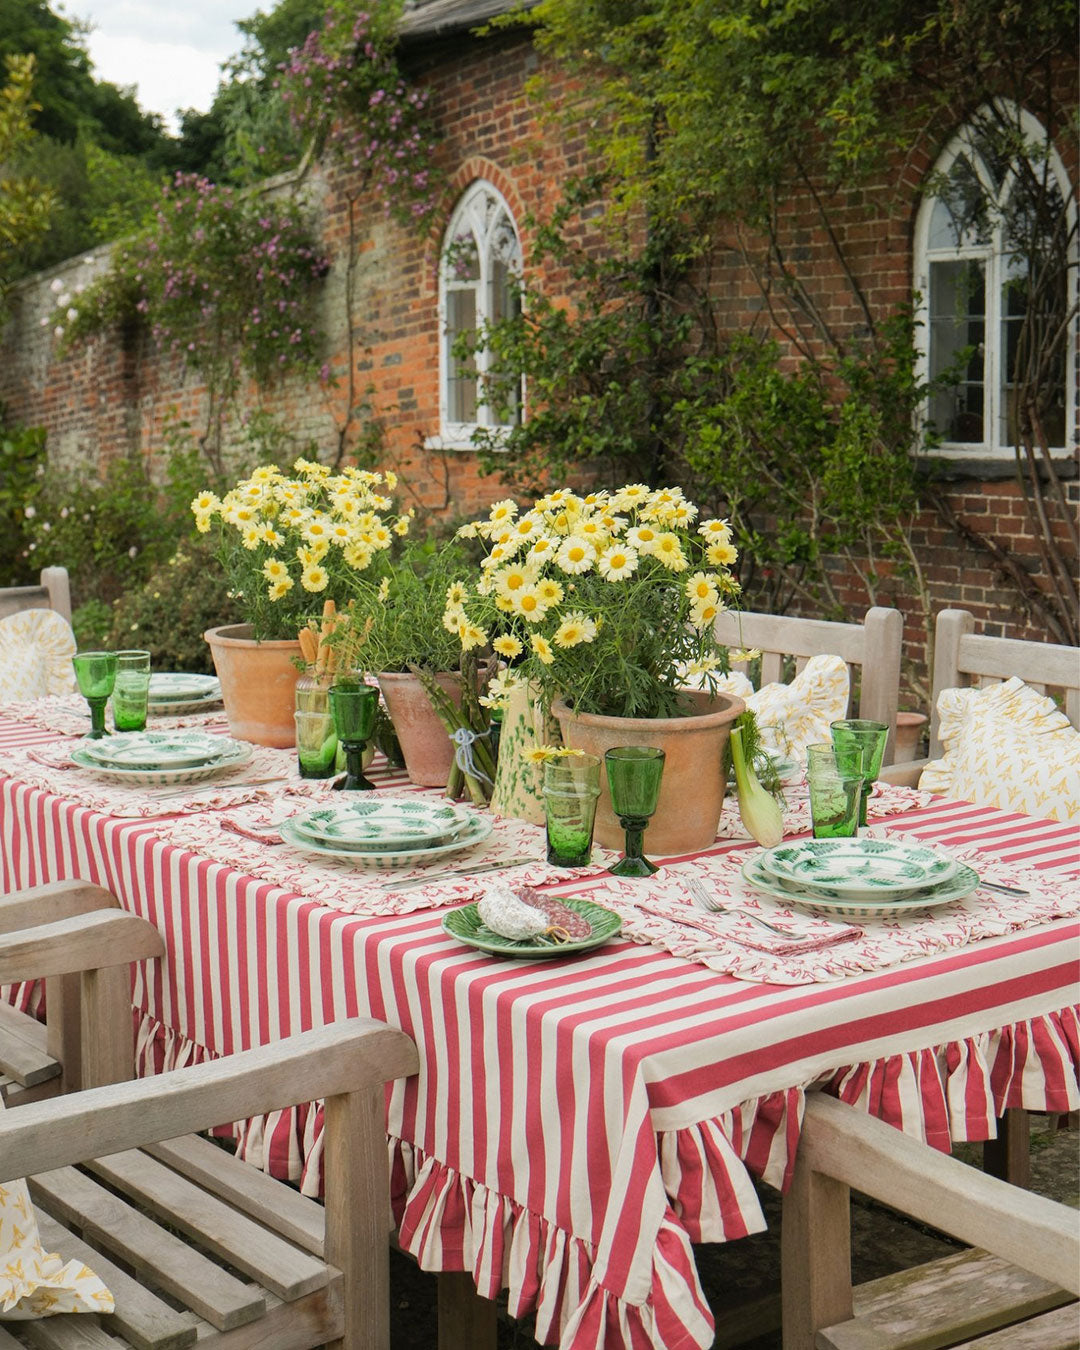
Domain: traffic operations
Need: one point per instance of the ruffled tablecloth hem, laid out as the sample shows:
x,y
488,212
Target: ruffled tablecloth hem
x,y
448,1221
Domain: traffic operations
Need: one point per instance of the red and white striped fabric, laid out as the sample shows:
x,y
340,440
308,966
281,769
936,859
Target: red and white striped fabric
x,y
578,1123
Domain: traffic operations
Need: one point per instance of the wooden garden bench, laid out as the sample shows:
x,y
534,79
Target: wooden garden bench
x,y
1024,1274
198,1247
871,651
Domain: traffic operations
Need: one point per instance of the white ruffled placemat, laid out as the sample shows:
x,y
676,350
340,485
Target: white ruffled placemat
x,y
661,911
69,715
50,768
248,840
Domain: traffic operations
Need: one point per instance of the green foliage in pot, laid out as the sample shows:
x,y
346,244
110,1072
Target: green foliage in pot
x,y
397,622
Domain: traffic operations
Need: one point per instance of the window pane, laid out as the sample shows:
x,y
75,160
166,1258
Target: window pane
x,y
1031,314
504,302
958,322
461,382
960,216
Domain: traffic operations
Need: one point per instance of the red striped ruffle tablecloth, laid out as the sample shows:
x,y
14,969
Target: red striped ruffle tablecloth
x,y
577,1123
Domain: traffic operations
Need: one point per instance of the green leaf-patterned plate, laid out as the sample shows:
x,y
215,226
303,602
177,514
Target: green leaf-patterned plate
x,y
963,881
858,868
158,750
177,687
233,755
478,829
371,822
466,926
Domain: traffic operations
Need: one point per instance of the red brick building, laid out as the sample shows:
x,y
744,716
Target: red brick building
x,y
391,297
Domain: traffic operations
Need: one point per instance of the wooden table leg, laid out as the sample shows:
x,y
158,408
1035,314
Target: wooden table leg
x,y
1009,1155
466,1321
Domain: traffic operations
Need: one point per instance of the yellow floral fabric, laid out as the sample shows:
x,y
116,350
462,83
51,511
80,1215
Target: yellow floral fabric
x,y
793,716
36,647
34,1282
1008,746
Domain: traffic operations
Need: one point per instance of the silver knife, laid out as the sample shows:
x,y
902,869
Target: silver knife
x,y
455,872
218,785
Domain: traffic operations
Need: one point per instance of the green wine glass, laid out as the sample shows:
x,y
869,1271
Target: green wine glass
x,y
95,673
858,736
354,706
633,774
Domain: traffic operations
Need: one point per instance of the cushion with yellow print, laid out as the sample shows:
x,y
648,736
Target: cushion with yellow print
x,y
793,716
1008,746
36,647
34,1282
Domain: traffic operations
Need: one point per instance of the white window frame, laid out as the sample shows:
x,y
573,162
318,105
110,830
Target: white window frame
x,y
965,145
480,211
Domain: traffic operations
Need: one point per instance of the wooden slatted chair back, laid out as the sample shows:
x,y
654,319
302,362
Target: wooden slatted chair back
x,y
964,658
1024,1273
871,651
53,592
197,1247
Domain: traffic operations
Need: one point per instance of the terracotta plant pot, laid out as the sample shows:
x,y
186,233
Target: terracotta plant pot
x,y
258,680
909,732
428,751
692,790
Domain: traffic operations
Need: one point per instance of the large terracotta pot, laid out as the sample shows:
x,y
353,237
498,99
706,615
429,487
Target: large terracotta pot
x,y
692,789
258,680
428,750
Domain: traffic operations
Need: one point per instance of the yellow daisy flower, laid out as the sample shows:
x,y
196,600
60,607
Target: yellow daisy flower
x,y
617,562
452,618
278,589
669,551
721,555
471,635
202,523
702,615
551,591
314,578
529,603
507,645
574,630
715,531
204,502
701,588
455,593
273,569
542,647
576,556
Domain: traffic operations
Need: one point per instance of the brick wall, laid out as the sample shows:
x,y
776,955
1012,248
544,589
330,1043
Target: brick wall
x,y
116,395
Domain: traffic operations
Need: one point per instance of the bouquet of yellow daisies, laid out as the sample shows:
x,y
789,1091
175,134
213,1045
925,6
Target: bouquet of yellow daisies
x,y
288,543
607,600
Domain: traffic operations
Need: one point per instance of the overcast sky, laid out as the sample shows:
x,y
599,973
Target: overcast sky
x,y
170,50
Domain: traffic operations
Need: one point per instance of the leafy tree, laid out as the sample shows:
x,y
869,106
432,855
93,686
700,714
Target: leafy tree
x,y
25,203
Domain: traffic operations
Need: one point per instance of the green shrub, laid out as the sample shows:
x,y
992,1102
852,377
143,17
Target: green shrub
x,y
170,611
22,455
92,622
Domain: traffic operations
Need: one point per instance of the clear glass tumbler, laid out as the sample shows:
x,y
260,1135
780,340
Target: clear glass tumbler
x,y
571,788
131,690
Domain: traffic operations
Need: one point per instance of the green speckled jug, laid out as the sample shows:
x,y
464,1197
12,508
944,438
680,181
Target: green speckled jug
x,y
518,783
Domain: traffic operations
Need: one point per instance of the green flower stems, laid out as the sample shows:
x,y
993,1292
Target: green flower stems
x,y
470,716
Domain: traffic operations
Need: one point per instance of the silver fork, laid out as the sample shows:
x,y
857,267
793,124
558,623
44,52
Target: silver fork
x,y
705,898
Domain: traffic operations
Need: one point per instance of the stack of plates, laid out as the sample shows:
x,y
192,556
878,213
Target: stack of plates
x,y
160,758
859,878
382,832
172,694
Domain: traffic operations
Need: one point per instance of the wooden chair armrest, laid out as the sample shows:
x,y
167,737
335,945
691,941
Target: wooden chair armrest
x,y
332,1061
846,1144
903,775
94,941
47,904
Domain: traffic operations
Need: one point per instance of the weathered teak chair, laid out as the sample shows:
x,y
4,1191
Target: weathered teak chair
x,y
873,647
1026,1278
196,1246
73,935
53,592
963,658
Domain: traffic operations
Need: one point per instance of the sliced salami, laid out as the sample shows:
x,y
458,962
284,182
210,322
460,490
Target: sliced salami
x,y
559,916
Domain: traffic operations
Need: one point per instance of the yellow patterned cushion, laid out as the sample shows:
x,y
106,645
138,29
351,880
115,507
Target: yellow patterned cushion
x,y
34,1282
36,647
793,716
1007,746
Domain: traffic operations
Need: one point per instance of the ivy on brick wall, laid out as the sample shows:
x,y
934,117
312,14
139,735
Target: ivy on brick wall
x,y
224,279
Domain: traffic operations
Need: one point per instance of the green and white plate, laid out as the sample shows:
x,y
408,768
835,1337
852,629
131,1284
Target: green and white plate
x,y
374,823
478,828
963,881
465,924
174,693
231,755
157,750
858,868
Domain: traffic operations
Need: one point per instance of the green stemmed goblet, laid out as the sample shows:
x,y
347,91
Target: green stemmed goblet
x,y
857,736
95,673
633,774
354,705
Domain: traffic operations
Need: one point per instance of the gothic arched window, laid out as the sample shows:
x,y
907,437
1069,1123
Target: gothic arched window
x,y
479,284
995,272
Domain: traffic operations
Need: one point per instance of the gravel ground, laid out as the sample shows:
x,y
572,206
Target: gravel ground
x,y
735,1274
